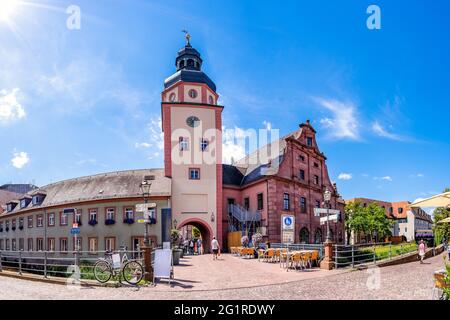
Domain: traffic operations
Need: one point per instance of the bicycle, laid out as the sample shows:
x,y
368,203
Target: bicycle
x,y
130,269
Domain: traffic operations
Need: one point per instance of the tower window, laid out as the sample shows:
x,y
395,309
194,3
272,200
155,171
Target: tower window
x,y
172,97
309,141
193,93
204,144
194,174
184,144
211,100
190,63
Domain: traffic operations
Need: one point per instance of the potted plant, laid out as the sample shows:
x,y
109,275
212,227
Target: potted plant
x,y
175,238
93,222
20,227
128,221
244,241
109,222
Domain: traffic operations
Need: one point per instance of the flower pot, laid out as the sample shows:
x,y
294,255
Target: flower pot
x,y
176,253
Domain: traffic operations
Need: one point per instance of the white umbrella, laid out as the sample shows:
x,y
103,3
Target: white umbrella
x,y
440,200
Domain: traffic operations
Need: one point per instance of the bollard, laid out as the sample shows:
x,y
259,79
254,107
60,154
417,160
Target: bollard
x,y
327,261
45,264
148,268
353,256
20,262
390,251
1,268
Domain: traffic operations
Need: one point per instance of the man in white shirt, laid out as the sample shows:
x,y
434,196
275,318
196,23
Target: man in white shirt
x,y
215,248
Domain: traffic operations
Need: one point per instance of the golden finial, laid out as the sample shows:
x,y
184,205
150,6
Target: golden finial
x,y
188,37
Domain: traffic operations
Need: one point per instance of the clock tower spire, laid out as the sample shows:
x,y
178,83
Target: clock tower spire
x,y
192,125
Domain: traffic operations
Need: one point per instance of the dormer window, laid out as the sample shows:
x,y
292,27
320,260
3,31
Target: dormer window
x,y
24,202
10,206
37,199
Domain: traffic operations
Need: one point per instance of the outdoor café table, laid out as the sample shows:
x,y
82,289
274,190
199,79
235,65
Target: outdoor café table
x,y
285,257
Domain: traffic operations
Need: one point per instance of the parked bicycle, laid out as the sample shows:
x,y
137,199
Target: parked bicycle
x,y
130,269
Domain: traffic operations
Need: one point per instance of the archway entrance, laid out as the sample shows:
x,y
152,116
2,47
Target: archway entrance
x,y
190,227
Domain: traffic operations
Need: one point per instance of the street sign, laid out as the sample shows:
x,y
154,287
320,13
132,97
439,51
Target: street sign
x,y
318,211
288,222
143,207
75,231
75,225
143,221
333,218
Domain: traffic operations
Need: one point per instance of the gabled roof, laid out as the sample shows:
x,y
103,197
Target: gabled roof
x,y
264,161
113,185
6,197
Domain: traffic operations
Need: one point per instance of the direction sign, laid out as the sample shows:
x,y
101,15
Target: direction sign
x,y
333,218
143,207
318,211
143,221
75,231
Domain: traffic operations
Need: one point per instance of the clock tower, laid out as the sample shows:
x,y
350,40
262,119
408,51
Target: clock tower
x,y
192,126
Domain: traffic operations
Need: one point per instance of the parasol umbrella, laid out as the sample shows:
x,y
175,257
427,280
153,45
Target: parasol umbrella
x,y
440,200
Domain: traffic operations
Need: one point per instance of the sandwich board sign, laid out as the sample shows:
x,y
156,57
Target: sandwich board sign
x,y
163,265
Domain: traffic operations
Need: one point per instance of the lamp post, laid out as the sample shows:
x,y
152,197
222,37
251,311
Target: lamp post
x,y
327,199
145,190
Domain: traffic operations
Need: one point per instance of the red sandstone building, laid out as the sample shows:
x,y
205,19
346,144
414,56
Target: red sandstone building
x,y
252,194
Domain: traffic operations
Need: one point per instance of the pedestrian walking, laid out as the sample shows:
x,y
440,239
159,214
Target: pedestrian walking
x,y
199,246
215,248
191,247
421,250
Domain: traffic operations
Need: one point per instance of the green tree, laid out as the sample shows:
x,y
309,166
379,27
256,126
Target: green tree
x,y
379,225
370,221
355,220
441,231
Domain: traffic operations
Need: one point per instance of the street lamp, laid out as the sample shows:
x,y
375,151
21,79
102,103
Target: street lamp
x,y
145,190
327,199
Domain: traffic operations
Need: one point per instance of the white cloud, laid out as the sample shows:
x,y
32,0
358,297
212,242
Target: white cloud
x,y
142,145
233,148
156,138
379,130
385,178
10,108
345,176
417,175
343,124
20,159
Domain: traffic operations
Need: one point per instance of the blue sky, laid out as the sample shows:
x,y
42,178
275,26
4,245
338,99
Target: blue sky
x,y
79,102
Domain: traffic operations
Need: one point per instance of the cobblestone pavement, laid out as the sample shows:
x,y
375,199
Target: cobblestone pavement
x,y
407,281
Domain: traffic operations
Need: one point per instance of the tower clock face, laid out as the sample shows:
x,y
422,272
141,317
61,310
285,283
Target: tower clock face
x,y
193,121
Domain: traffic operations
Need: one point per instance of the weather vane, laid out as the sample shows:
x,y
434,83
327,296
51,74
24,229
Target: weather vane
x,y
188,37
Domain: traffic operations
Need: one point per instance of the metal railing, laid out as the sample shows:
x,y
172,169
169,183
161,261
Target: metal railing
x,y
57,263
242,214
352,255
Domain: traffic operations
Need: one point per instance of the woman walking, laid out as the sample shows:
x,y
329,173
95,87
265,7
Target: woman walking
x,y
421,251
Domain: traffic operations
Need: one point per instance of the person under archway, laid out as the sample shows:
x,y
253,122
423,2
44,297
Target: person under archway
x,y
215,248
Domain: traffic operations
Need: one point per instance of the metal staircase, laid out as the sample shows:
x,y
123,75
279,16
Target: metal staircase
x,y
243,220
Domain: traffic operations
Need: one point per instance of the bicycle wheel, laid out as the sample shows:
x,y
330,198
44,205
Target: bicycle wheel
x,y
102,271
133,272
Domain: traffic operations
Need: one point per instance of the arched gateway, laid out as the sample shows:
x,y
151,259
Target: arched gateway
x,y
205,230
